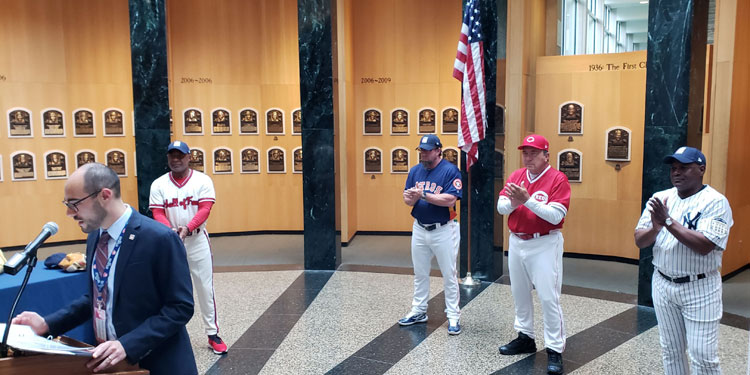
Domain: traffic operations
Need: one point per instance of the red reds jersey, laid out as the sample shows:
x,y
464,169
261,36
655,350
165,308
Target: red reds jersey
x,y
551,188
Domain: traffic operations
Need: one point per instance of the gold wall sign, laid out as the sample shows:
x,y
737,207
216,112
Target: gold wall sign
x,y
220,122
276,162
56,165
569,163
196,160
297,121
426,121
400,161
83,123
248,121
19,123
451,155
250,162
274,122
297,160
85,157
399,122
372,122
113,122
450,121
192,121
23,166
222,160
116,161
571,119
618,144
373,162
53,123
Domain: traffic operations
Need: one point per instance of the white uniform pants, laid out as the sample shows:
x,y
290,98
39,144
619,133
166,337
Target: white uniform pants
x,y
537,263
688,315
200,261
441,243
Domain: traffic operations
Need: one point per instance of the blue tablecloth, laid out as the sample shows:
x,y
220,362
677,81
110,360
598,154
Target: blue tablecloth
x,y
47,291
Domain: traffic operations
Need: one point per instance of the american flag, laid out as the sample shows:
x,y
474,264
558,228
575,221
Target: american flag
x,y
469,69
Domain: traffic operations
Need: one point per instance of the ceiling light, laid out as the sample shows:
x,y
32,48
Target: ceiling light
x,y
644,2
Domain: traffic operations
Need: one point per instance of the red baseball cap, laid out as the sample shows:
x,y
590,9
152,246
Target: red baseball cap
x,y
535,141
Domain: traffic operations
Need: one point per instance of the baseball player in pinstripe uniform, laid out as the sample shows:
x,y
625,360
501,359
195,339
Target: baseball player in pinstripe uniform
x,y
182,200
689,227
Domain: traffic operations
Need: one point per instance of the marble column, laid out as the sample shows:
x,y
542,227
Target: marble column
x,y
674,79
148,45
322,247
485,265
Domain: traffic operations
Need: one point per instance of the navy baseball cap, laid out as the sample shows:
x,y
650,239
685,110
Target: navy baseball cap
x,y
686,155
429,142
179,146
53,260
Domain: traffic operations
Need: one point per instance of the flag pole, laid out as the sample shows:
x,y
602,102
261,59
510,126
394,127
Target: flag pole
x,y
468,280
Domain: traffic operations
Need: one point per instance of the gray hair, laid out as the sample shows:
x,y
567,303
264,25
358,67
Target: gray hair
x,y
99,176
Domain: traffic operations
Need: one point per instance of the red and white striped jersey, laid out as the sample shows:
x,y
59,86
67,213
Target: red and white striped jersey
x,y
180,201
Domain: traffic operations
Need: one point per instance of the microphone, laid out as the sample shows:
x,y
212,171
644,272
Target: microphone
x,y
19,260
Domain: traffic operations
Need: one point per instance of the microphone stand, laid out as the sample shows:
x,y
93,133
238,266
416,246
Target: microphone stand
x,y
29,268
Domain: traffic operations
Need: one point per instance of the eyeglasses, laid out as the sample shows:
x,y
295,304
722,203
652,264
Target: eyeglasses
x,y
73,205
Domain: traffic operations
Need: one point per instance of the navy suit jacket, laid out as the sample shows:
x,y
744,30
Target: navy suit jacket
x,y
153,298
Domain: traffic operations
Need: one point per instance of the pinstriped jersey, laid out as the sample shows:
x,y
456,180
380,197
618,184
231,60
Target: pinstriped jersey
x,y
180,201
551,187
707,212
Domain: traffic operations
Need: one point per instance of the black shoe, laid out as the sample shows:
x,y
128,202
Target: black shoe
x,y
522,344
554,362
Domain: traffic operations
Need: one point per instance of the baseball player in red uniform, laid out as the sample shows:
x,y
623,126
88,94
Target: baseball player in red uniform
x,y
182,200
537,198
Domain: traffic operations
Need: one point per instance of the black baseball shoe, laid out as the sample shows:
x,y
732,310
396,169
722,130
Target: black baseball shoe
x,y
554,362
522,344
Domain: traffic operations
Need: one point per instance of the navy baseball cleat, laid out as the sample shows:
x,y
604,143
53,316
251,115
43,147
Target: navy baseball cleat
x,y
454,327
412,319
522,344
554,362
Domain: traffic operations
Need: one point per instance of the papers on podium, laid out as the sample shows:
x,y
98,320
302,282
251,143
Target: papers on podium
x,y
23,338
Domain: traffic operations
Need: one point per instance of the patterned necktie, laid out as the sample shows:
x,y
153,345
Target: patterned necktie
x,y
102,252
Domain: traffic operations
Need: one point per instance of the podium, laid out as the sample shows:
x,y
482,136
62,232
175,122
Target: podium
x,y
35,363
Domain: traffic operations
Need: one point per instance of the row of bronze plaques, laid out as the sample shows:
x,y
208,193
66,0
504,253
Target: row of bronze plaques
x,y
570,161
20,123
22,164
373,159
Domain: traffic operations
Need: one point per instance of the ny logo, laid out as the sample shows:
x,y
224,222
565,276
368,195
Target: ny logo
x,y
691,224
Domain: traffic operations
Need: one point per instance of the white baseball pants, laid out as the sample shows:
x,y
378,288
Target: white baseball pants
x,y
537,263
441,243
688,315
200,261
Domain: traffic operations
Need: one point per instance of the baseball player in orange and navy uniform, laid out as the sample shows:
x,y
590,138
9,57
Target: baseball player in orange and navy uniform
x,y
537,198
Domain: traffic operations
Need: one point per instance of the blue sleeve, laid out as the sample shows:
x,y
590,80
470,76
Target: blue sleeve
x,y
453,183
409,180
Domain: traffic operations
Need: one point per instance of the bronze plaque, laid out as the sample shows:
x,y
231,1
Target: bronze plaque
x,y
571,119
450,121
220,122
116,161
372,122
85,157
427,121
56,165
372,161
298,160
618,145
196,160
113,122
250,161
248,122
399,122
222,161
451,155
274,122
20,123
53,123
23,166
84,123
193,121
570,165
297,122
276,160
400,161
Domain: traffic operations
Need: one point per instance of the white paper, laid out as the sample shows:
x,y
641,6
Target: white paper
x,y
22,337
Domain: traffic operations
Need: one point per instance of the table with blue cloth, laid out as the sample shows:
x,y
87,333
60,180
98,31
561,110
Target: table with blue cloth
x,y
48,290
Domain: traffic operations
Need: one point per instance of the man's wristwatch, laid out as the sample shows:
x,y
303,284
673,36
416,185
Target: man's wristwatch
x,y
424,194
668,222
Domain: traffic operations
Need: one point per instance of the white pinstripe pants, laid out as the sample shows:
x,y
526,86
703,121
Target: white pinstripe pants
x,y
200,261
688,315
441,243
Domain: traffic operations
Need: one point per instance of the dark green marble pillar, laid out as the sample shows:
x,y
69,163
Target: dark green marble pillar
x,y
676,32
322,248
484,264
148,45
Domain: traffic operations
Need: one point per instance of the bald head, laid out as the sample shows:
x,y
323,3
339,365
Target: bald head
x,y
95,177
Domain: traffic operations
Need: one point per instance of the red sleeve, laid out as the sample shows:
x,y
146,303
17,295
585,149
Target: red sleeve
x,y
204,208
161,216
561,191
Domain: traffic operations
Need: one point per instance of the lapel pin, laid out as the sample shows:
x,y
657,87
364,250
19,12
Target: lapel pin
x,y
132,237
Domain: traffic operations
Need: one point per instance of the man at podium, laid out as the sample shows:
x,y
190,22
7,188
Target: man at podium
x,y
140,294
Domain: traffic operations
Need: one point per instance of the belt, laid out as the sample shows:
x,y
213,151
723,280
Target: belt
x,y
684,279
433,226
525,236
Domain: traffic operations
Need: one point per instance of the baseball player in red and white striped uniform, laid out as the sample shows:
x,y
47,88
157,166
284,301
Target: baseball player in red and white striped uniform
x,y
537,199
182,200
689,228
